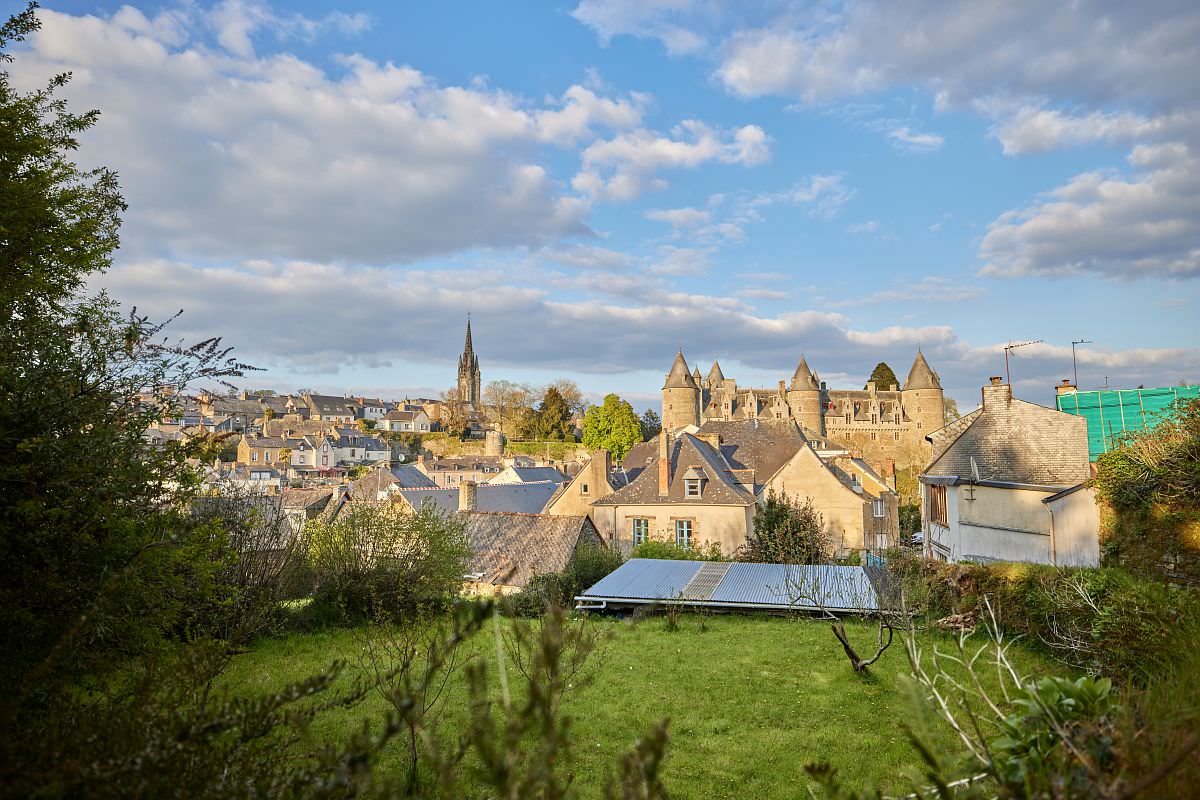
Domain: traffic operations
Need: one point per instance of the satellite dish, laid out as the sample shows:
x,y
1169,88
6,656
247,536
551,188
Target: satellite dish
x,y
974,469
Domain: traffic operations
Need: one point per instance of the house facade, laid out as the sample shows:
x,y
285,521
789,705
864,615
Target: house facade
x,y
997,479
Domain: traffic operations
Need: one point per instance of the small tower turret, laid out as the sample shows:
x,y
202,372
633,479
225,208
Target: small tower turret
x,y
922,396
804,398
681,397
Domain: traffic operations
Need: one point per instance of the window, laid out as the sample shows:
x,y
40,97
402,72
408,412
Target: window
x,y
583,489
324,461
878,509
683,533
937,506
254,456
641,530
847,419
691,487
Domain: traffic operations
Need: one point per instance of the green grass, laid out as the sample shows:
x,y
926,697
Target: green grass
x,y
750,701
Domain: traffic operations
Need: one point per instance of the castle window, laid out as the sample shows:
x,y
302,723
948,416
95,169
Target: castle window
x,y
583,489
683,533
641,530
847,419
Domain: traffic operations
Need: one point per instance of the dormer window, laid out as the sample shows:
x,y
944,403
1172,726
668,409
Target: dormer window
x,y
692,487
693,482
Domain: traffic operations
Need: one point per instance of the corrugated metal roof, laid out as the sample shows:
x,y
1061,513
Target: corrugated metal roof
x,y
776,586
646,579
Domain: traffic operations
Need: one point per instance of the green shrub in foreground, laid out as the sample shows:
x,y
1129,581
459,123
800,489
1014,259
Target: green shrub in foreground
x,y
710,551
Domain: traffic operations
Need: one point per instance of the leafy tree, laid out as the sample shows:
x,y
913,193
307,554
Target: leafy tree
x,y
787,532
365,424
612,425
950,410
508,404
571,393
551,421
95,561
885,379
651,425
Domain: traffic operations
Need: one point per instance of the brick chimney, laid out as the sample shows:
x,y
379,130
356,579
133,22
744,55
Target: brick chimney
x,y
1066,387
468,496
664,463
997,392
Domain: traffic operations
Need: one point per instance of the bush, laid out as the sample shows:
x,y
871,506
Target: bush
x,y
710,551
588,564
787,532
376,560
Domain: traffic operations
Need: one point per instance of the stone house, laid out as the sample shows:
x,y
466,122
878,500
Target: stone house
x,y
382,481
352,446
454,470
520,498
330,408
509,549
1005,485
266,449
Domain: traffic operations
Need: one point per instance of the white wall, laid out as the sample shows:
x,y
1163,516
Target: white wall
x,y
1076,520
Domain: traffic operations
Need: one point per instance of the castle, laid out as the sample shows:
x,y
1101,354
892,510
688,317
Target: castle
x,y
879,422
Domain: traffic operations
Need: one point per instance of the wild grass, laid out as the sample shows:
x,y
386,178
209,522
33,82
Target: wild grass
x,y
751,701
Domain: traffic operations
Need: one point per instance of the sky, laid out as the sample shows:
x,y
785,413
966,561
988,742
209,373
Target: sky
x,y
333,188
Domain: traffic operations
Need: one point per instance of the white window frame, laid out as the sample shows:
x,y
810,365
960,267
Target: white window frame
x,y
684,532
878,509
691,487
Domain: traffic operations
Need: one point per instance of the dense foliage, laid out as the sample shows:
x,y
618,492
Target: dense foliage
x,y
787,532
655,548
612,425
885,379
378,559
1157,466
651,424
550,421
587,565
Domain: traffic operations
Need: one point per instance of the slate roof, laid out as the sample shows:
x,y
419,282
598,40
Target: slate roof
x,y
802,379
274,442
311,500
715,375
465,463
382,478
679,377
921,376
400,416
536,474
509,549
1016,442
686,452
328,404
763,445
524,498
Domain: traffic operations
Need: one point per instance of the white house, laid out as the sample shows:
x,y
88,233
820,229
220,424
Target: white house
x,y
1005,484
410,419
314,451
352,446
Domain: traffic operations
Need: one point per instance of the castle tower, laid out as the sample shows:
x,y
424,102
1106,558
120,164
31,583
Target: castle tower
x,y
681,397
715,376
804,398
468,373
922,397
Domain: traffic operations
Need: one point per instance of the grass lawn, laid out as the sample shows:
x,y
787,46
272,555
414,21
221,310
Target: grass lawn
x,y
750,700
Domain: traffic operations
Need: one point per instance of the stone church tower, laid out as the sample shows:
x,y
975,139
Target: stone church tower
x,y
468,373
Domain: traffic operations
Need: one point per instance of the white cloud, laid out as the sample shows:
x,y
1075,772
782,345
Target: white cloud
x,y
912,140
1147,225
625,166
223,153
825,195
929,289
862,228
611,18
1037,130
679,217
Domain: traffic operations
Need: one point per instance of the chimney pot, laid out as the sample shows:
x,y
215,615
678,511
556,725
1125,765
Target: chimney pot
x,y
996,380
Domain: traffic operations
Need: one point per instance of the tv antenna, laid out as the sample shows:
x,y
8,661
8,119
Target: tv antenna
x,y
1074,368
1011,346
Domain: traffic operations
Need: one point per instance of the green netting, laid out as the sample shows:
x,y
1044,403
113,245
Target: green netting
x,y
1109,413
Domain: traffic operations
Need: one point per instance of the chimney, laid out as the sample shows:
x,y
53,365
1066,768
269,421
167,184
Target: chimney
x,y
421,457
712,439
664,463
1066,387
468,496
997,392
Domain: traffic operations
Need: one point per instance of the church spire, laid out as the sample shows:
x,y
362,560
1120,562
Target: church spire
x,y
467,348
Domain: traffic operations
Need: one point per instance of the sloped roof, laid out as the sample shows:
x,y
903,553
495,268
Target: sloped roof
x,y
715,375
537,474
524,498
468,463
382,478
921,376
1014,441
328,404
802,378
509,549
763,445
679,377
686,452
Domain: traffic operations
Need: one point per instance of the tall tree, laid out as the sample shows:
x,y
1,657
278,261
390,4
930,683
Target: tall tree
x,y
950,410
651,425
572,394
885,379
453,417
552,420
94,558
508,404
613,425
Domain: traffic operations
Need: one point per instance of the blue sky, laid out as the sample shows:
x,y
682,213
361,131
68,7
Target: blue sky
x,y
333,188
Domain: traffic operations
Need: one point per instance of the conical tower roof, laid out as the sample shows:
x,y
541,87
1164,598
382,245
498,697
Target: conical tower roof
x,y
715,375
467,347
921,376
696,375
679,377
802,379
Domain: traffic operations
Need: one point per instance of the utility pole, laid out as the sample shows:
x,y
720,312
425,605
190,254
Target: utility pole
x,y
1074,368
1011,346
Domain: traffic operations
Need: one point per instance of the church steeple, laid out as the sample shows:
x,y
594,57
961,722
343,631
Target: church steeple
x,y
468,372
